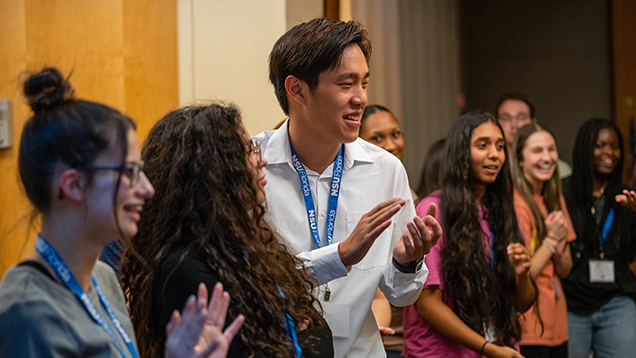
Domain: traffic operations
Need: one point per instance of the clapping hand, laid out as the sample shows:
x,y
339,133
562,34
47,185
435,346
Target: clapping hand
x,y
197,332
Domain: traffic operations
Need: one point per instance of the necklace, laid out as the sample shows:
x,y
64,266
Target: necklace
x,y
597,198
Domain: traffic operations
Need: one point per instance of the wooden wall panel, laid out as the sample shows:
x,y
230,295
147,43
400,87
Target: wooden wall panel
x,y
624,57
121,52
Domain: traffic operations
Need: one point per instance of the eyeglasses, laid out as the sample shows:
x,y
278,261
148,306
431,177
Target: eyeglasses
x,y
255,151
519,117
130,171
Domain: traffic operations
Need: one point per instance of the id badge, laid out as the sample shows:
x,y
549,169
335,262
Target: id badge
x,y
337,316
602,271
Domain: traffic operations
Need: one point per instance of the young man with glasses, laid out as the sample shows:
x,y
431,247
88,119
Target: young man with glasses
x,y
514,110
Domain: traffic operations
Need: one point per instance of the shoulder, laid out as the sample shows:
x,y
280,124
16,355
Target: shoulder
x,y
38,321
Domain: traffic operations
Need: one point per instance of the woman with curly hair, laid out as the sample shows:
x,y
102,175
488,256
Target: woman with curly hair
x,y
206,225
601,288
81,168
546,225
478,281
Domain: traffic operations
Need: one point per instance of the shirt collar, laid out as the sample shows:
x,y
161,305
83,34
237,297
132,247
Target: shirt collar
x,y
278,152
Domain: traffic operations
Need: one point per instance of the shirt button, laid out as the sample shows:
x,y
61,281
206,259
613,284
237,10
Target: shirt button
x,y
578,255
323,213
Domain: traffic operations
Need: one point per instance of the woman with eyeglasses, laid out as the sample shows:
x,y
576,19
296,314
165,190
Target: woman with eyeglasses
x,y
81,167
206,224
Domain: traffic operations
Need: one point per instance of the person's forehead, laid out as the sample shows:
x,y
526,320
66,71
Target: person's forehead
x,y
514,105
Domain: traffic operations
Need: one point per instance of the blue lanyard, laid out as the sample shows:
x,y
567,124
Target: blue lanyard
x,y
606,228
54,260
290,328
333,195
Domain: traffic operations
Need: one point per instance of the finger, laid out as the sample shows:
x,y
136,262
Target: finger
x,y
375,232
385,204
384,214
436,228
223,306
202,296
233,328
431,210
417,234
175,317
215,305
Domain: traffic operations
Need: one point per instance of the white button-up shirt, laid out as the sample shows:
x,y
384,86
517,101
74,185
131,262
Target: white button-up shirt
x,y
371,175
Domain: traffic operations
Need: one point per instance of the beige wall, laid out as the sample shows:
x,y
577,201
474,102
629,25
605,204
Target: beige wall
x,y
223,50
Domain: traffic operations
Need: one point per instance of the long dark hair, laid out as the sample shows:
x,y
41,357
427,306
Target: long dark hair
x,y
551,191
481,294
430,177
206,204
64,130
581,188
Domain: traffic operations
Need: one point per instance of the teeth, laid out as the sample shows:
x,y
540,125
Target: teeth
x,y
608,161
352,117
545,166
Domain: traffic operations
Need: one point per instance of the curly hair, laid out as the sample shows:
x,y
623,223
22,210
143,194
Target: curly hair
x,y
551,190
206,203
481,295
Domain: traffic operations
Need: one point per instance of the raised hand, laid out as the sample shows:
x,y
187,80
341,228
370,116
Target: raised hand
x,y
628,199
556,227
418,239
197,333
519,258
370,226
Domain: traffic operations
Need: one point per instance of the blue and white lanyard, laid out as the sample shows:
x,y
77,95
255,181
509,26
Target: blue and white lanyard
x,y
290,327
54,260
334,193
606,228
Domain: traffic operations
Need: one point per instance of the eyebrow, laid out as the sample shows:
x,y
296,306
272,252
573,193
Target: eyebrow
x,y
351,75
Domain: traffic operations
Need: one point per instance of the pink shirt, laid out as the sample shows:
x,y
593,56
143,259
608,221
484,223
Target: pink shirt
x,y
420,339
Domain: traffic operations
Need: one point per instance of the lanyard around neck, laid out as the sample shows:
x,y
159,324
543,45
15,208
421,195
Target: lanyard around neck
x,y
54,260
606,228
334,193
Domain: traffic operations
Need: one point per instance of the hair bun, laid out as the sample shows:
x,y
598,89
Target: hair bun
x,y
47,88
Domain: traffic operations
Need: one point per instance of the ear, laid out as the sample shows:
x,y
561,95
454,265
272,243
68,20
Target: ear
x,y
294,87
73,184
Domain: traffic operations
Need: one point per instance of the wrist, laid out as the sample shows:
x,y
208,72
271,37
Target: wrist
x,y
549,245
411,267
483,347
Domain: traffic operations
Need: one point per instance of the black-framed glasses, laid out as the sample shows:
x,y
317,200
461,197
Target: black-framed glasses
x,y
255,151
131,171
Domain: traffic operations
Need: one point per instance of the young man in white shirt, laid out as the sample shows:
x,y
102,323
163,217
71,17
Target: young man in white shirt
x,y
341,204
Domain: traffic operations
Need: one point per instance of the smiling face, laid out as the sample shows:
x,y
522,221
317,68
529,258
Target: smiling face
x,y
129,199
607,152
487,152
381,129
334,108
539,159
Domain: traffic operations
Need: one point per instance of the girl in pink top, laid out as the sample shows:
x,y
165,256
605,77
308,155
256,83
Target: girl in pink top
x,y
546,224
478,280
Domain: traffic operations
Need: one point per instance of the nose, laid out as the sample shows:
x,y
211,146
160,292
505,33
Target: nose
x,y
262,163
145,188
360,96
